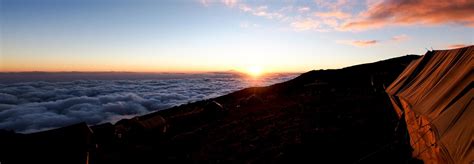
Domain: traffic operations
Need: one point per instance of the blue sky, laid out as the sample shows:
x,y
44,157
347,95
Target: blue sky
x,y
206,35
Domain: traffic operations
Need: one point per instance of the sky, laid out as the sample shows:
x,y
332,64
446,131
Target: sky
x,y
222,35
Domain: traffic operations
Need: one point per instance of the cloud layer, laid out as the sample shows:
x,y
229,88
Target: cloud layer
x,y
34,106
345,15
408,12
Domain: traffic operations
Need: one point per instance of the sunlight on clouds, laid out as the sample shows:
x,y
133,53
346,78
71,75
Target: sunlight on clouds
x,y
355,16
333,14
454,46
359,43
214,35
34,106
340,15
254,71
303,25
399,38
404,13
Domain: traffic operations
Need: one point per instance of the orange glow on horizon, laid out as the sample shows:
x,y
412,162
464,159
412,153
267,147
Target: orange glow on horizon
x,y
254,71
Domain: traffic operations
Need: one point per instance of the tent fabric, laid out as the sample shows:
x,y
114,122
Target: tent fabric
x,y
434,95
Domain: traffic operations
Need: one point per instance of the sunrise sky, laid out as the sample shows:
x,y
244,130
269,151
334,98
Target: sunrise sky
x,y
207,35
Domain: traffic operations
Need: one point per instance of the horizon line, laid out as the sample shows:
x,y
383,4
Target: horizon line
x,y
149,72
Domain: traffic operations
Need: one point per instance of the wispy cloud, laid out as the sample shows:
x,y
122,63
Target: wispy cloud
x,y
371,42
304,9
359,43
230,3
303,25
409,12
333,5
205,2
453,46
293,16
342,15
333,14
245,8
399,38
262,11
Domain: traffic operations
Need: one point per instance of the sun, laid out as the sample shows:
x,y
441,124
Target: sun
x,y
254,71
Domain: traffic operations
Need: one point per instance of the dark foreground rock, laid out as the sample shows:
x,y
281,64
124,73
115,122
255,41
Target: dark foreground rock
x,y
325,116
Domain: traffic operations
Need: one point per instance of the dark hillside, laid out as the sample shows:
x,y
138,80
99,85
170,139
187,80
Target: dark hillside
x,y
328,116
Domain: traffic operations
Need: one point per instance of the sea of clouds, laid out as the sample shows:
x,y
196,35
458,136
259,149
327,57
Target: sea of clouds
x,y
30,106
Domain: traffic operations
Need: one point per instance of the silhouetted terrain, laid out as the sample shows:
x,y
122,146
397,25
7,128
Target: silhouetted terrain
x,y
328,116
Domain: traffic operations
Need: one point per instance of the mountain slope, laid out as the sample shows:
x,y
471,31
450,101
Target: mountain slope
x,y
318,116
337,116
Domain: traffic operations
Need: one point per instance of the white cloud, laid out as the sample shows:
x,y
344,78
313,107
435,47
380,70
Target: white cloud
x,y
230,3
345,15
304,9
333,14
262,11
34,106
333,5
306,24
205,2
245,8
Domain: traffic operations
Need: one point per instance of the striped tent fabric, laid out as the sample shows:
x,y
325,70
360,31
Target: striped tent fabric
x,y
434,95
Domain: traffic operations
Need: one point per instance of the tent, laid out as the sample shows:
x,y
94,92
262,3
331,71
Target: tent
x,y
434,96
